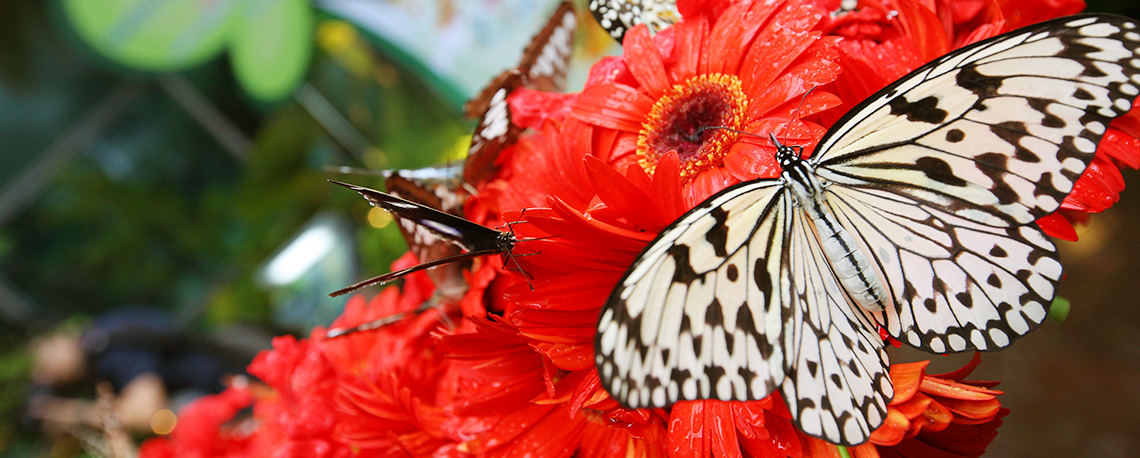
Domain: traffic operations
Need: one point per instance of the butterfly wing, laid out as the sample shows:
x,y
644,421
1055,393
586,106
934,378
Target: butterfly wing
x,y
464,233
941,174
543,67
664,334
547,58
837,386
437,188
730,302
618,16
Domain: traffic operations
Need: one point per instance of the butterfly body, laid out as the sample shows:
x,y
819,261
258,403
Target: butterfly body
x,y
914,214
850,265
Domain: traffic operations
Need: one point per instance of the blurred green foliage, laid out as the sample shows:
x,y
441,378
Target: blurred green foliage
x,y
152,209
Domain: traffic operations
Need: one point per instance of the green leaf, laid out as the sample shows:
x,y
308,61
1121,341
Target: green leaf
x,y
271,49
154,35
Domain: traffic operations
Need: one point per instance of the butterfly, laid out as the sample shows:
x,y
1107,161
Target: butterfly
x,y
543,67
618,16
914,215
472,239
441,189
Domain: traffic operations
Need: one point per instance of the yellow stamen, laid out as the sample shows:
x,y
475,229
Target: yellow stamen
x,y
686,120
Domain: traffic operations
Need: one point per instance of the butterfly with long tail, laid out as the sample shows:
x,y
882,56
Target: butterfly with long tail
x,y
914,215
472,239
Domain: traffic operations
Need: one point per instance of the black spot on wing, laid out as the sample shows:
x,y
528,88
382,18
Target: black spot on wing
x,y
761,277
939,170
981,85
683,270
924,110
717,236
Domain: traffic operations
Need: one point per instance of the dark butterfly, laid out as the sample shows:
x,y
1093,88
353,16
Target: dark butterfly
x,y
425,200
438,188
543,68
472,239
618,16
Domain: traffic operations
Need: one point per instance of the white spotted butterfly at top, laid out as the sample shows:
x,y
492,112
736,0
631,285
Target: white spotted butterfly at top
x,y
915,214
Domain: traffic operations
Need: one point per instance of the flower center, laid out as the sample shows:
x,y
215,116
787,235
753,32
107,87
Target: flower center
x,y
691,120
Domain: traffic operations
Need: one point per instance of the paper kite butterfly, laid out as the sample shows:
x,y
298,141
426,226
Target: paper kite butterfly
x,y
618,16
915,214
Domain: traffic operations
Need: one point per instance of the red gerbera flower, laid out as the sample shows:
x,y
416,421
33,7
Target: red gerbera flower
x,y
747,69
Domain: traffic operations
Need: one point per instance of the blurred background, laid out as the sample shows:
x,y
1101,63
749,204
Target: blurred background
x,y
164,210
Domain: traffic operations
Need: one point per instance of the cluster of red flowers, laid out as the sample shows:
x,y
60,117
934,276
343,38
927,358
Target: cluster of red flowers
x,y
514,375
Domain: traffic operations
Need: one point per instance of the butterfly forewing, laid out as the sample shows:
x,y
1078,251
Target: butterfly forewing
x,y
664,333
547,58
474,239
981,143
438,188
996,132
936,182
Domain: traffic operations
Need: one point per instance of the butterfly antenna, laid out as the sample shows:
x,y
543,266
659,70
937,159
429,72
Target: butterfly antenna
x,y
371,325
391,319
346,170
796,115
697,135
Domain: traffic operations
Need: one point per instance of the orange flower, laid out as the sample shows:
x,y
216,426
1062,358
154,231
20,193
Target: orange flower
x,y
938,415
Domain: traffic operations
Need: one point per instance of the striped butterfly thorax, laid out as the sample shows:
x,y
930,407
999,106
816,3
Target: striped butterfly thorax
x,y
618,16
914,215
543,67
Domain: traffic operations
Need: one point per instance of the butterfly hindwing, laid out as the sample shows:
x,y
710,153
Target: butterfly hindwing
x,y
957,284
437,188
837,385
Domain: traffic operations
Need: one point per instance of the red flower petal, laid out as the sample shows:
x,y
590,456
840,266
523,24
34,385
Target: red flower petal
x,y
615,106
645,62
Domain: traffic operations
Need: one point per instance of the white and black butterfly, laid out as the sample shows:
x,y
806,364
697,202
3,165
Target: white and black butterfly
x,y
472,239
618,16
915,213
543,67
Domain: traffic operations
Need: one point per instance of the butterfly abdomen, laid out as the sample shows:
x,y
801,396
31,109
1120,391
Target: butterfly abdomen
x,y
849,264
